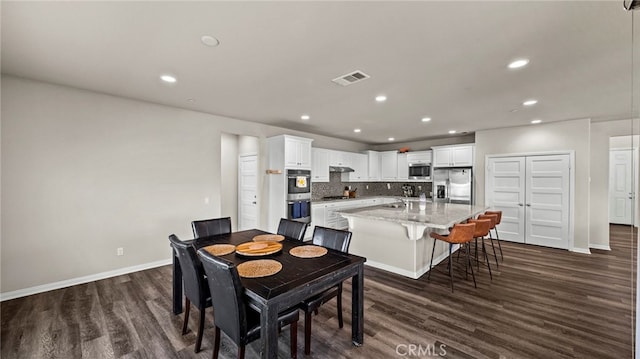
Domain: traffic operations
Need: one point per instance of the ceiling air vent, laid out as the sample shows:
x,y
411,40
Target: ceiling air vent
x,y
351,78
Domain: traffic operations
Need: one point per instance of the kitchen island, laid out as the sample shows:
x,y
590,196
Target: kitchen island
x,y
395,237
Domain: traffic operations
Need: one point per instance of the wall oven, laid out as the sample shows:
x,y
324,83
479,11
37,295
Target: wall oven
x,y
299,195
420,171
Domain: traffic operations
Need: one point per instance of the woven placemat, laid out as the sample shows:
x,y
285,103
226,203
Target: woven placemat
x,y
259,268
308,251
220,249
268,237
258,248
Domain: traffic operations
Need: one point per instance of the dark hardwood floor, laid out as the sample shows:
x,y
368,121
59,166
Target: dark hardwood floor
x,y
542,303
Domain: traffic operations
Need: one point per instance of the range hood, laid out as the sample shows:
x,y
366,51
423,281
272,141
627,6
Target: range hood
x,y
340,169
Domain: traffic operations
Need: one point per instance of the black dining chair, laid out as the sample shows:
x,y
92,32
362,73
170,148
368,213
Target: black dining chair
x,y
292,229
211,227
232,315
195,286
333,239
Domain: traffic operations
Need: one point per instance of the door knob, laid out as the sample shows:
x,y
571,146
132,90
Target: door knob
x,y
254,202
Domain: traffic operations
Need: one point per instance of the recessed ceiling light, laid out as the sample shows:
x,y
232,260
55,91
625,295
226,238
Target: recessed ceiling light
x,y
530,102
536,121
514,110
305,117
191,100
391,139
168,78
381,98
452,132
357,130
210,41
516,64
426,119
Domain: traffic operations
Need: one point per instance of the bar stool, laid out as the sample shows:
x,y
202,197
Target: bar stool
x,y
495,228
482,230
460,234
494,219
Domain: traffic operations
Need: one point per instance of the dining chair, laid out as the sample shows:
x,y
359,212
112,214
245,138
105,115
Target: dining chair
x,y
333,239
196,288
211,227
292,229
461,233
232,314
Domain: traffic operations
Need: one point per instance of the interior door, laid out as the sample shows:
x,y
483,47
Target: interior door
x,y
247,192
621,194
547,201
505,191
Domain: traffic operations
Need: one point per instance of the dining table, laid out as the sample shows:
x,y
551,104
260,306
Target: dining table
x,y
299,279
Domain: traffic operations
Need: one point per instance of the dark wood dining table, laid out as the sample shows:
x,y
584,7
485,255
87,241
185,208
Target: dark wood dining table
x,y
299,279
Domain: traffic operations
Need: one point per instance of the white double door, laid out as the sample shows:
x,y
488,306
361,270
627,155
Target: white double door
x,y
533,193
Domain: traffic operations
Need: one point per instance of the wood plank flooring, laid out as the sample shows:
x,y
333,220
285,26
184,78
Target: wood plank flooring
x,y
542,303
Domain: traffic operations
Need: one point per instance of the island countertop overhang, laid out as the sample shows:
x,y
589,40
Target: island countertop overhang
x,y
436,215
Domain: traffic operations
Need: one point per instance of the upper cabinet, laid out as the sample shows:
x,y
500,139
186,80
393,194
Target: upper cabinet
x,y
359,163
297,152
373,165
339,158
388,165
287,151
320,165
403,166
453,156
419,157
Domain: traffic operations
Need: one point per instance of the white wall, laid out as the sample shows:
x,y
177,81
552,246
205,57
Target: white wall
x,y
229,178
566,135
84,173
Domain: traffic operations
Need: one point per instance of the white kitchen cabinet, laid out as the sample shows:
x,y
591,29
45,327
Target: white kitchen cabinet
x,y
453,156
284,152
373,165
339,158
297,152
389,165
403,167
359,163
419,157
317,219
319,165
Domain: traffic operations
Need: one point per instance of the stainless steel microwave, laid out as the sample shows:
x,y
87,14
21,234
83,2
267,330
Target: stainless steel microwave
x,y
420,171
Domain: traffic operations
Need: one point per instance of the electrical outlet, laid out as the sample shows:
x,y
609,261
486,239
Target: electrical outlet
x,y
388,185
120,251
366,186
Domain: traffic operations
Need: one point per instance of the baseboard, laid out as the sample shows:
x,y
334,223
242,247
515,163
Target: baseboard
x,y
603,247
81,280
581,250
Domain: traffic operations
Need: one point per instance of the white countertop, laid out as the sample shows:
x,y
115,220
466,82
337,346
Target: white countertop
x,y
436,215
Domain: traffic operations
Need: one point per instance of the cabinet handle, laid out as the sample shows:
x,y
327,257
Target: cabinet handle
x,y
528,204
254,202
520,204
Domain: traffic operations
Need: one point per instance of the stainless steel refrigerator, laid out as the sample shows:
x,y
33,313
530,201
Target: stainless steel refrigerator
x,y
453,185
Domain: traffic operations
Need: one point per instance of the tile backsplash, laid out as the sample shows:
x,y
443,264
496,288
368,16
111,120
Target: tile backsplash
x,y
335,186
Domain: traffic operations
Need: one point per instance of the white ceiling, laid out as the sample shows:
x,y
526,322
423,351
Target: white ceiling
x,y
275,62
